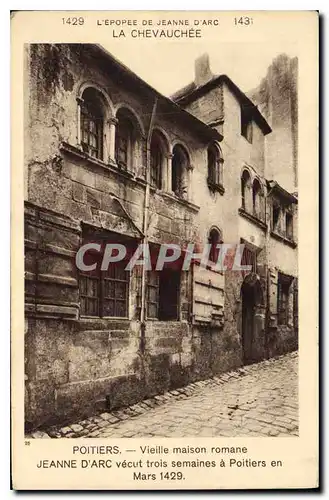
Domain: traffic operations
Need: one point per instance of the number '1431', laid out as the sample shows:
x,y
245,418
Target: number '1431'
x,y
243,21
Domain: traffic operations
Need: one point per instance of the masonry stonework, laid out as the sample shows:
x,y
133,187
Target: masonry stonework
x,y
76,362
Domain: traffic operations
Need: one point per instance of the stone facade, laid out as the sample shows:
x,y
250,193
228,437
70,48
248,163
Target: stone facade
x,y
76,361
269,153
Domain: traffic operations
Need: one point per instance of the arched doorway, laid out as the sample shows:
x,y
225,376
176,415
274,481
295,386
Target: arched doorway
x,y
252,318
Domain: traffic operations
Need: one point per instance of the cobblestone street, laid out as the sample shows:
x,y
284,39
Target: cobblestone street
x,y
257,400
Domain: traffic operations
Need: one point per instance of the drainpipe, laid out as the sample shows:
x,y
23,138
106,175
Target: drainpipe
x,y
145,221
268,278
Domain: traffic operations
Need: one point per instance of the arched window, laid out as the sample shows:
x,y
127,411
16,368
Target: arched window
x,y
92,123
215,166
126,139
158,158
257,199
245,191
214,239
180,165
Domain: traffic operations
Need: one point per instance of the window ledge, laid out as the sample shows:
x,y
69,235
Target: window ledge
x,y
156,190
90,160
165,321
186,203
216,187
285,241
100,323
252,218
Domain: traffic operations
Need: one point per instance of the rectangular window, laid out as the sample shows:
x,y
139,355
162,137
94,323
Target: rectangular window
x,y
276,217
246,125
121,153
91,134
89,295
214,166
103,293
289,226
284,283
156,164
163,289
153,285
115,286
124,143
243,194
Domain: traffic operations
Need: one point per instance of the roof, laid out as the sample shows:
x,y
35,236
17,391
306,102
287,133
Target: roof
x,y
191,92
122,72
276,188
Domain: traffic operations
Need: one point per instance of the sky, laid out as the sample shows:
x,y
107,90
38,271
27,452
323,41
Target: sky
x,y
170,66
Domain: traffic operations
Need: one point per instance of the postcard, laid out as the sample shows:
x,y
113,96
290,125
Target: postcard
x,y
164,250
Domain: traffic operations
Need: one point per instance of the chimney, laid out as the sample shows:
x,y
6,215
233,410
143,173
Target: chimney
x,y
202,70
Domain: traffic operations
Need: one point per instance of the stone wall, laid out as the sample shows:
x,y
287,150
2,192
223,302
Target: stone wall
x,y
74,364
281,338
270,157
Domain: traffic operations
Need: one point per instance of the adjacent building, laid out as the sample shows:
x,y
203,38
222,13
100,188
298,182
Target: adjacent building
x,y
110,159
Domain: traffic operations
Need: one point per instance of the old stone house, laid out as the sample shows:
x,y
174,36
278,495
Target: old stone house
x,y
108,158
260,181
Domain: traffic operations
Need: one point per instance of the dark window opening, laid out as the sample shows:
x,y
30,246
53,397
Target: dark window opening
x,y
284,283
214,239
178,176
124,140
163,290
275,217
92,121
289,226
243,194
214,166
246,125
245,187
153,284
157,158
256,199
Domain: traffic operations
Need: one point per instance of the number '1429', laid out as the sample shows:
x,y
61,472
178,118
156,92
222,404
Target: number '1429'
x,y
74,21
171,475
